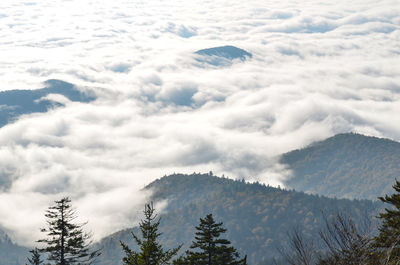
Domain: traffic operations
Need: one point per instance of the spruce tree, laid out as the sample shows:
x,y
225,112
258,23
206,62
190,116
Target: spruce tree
x,y
211,249
388,239
35,258
66,242
150,250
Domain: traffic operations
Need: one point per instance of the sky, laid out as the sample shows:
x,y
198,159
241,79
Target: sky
x,y
318,68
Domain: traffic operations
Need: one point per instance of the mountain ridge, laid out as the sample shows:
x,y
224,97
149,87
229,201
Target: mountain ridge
x,y
347,165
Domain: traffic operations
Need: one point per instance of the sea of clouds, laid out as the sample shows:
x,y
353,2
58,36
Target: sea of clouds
x,y
318,68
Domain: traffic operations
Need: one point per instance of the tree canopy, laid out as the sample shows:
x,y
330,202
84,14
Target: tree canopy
x,y
35,258
150,250
209,248
66,243
388,239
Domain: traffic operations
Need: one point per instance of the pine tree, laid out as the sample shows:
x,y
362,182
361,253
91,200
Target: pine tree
x,y
212,249
388,239
150,250
35,259
66,242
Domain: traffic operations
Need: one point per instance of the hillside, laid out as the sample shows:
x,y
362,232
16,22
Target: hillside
x,y
345,166
257,217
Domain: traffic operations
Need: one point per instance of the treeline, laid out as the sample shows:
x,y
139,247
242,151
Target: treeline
x,y
67,244
207,248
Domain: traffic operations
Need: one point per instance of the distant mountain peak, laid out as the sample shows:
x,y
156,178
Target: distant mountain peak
x,y
222,55
54,83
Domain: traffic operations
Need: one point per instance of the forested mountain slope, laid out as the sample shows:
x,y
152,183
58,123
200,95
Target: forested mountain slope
x,y
345,166
257,217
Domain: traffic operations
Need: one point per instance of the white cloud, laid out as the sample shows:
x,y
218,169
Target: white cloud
x,y
318,68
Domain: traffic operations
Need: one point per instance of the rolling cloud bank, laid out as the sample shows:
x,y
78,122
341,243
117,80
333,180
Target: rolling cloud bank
x,y
316,68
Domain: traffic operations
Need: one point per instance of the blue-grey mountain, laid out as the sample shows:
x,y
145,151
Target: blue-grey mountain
x,y
222,56
14,103
10,253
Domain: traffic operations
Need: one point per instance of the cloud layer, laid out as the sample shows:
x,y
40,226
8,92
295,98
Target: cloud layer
x,y
318,68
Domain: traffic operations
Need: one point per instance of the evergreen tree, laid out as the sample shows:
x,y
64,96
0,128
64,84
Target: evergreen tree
x,y
388,239
150,250
66,242
35,259
212,249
